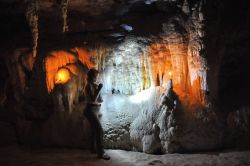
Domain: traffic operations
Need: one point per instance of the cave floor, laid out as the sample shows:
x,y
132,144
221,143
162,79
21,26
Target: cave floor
x,y
20,156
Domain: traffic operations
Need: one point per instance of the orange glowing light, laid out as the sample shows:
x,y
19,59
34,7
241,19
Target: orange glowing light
x,y
58,59
170,73
62,76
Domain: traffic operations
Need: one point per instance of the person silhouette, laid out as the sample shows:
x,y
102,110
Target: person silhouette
x,y
91,112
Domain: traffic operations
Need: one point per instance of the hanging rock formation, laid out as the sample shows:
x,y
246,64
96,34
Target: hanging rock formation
x,y
163,40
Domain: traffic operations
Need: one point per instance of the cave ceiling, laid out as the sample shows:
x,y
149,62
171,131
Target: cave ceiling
x,y
88,16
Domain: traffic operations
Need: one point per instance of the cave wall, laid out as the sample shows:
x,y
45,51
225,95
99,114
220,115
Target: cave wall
x,y
191,39
227,32
227,46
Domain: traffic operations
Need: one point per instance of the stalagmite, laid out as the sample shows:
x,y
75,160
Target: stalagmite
x,y
175,74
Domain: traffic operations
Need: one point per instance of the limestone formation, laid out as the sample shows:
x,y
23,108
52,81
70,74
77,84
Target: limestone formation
x,y
32,18
158,62
64,11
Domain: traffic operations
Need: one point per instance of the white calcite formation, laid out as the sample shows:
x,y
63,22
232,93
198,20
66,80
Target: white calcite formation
x,y
122,69
158,127
140,110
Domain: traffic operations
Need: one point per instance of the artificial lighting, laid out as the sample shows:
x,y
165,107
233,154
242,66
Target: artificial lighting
x,y
62,76
170,73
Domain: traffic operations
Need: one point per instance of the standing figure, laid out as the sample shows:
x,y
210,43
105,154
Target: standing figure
x,y
91,112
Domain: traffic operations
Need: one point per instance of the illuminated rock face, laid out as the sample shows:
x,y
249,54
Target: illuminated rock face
x,y
137,64
178,55
135,72
196,59
123,68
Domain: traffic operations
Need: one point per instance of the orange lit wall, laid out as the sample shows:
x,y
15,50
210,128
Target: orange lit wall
x,y
157,62
67,59
173,58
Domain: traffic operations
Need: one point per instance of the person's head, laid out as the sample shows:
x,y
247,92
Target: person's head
x,y
92,75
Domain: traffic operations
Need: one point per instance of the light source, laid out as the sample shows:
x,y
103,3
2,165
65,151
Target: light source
x,y
170,74
62,76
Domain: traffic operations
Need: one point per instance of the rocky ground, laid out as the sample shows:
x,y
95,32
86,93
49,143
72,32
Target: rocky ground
x,y
20,156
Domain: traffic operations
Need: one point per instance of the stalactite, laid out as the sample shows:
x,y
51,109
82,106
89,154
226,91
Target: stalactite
x,y
196,58
32,18
64,12
146,81
150,71
160,62
98,56
58,59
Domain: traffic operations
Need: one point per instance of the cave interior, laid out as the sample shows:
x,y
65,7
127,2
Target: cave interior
x,y
142,49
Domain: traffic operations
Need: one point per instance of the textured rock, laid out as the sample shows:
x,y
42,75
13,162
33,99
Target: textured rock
x,y
144,131
196,59
238,123
122,68
201,131
118,112
135,72
132,113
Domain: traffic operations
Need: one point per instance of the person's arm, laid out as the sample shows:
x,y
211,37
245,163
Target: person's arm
x,y
92,92
98,97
